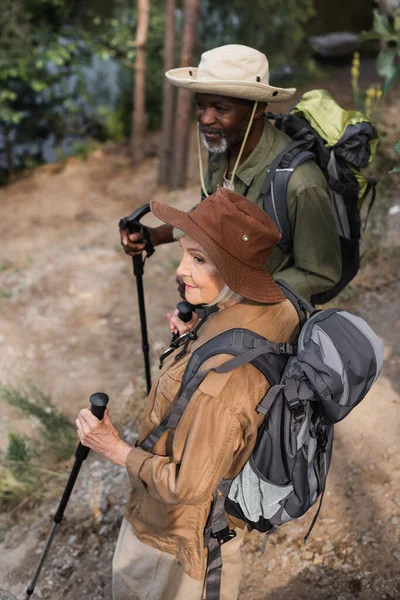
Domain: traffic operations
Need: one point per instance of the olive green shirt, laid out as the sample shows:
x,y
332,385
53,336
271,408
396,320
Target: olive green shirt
x,y
315,264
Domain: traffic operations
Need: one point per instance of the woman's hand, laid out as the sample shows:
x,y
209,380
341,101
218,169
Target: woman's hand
x,y
178,326
102,437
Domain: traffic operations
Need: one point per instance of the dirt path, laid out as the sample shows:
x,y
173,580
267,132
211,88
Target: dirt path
x,y
68,323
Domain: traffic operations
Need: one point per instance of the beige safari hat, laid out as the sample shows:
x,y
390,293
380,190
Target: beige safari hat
x,y
233,70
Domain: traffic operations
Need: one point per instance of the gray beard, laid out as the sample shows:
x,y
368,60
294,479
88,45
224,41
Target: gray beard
x,y
221,149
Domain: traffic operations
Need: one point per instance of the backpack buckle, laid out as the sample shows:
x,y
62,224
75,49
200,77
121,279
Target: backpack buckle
x,y
322,439
286,348
296,408
224,535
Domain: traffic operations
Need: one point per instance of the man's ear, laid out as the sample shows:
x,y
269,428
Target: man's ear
x,y
261,108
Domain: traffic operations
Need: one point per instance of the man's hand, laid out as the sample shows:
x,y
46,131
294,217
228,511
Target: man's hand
x,y
134,243
102,437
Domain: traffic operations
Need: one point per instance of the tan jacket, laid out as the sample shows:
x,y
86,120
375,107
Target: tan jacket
x,y
172,488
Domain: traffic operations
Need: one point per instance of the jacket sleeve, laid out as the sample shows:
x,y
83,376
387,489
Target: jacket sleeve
x,y
199,459
316,250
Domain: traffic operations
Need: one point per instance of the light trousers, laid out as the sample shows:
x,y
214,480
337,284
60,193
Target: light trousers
x,y
141,572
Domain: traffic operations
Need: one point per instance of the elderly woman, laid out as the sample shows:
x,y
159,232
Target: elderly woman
x,y
160,553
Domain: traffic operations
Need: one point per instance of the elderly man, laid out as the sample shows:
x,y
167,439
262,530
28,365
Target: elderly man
x,y
232,91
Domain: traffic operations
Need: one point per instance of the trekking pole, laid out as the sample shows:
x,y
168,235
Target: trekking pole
x,y
132,223
98,402
185,313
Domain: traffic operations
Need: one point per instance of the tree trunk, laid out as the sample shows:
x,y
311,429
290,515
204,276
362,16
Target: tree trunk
x,y
168,96
139,117
184,103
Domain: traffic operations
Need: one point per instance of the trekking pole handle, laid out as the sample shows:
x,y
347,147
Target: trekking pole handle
x,y
98,405
185,314
98,401
185,311
131,222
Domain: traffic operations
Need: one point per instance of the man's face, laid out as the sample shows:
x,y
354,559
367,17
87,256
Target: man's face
x,y
223,120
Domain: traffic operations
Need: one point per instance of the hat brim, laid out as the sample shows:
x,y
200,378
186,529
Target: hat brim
x,y
186,78
254,284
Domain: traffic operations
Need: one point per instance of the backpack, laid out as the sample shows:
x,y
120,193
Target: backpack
x,y
341,143
314,384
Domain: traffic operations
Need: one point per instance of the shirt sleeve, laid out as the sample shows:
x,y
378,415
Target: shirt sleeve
x,y
316,250
199,459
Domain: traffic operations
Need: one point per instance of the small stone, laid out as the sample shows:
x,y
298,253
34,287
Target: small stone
x,y
328,547
72,540
396,555
394,520
346,568
318,559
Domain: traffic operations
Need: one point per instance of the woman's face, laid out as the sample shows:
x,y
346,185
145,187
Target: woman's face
x,y
202,281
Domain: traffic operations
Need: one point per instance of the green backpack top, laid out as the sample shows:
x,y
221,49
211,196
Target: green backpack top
x,y
341,143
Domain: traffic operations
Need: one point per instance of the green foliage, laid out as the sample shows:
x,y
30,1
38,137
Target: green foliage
x,y
276,28
57,431
18,452
5,294
83,148
112,122
39,53
45,43
114,38
388,32
26,461
388,62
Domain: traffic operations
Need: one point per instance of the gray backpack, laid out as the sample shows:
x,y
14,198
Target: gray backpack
x,y
314,384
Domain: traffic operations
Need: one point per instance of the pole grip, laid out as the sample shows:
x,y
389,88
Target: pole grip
x,y
98,405
131,222
98,401
185,311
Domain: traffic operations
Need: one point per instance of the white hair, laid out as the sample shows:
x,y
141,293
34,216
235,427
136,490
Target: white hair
x,y
226,295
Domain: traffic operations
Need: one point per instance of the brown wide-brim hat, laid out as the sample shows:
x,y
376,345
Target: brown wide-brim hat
x,y
232,70
237,235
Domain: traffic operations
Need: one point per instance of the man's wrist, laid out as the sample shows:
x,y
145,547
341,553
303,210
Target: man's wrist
x,y
162,235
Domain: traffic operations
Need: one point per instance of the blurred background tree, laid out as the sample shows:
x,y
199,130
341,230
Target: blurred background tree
x,y
66,66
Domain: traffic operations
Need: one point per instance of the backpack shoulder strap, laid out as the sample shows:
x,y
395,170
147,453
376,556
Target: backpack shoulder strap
x,y
236,342
274,189
302,306
246,347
